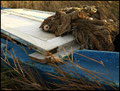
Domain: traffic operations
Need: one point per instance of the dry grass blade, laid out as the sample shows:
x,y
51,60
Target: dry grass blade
x,y
69,80
40,78
72,53
29,74
95,80
10,66
99,63
12,58
89,58
24,49
6,43
5,57
15,59
35,85
87,71
24,80
73,81
18,63
105,78
53,59
29,81
67,55
108,73
62,73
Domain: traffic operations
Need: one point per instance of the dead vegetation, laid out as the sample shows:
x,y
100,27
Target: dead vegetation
x,y
14,79
109,6
110,9
22,77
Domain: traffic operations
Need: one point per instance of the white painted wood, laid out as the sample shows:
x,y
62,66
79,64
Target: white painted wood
x,y
28,29
26,26
35,41
37,55
25,16
59,41
62,51
27,13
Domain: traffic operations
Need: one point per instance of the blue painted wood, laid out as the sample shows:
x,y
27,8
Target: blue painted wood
x,y
4,8
38,49
110,60
22,41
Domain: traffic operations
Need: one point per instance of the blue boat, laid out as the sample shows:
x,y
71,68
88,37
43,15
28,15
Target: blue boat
x,y
104,64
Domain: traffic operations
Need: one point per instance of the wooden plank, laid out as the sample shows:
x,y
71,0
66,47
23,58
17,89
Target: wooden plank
x,y
45,59
25,16
36,42
37,57
37,16
62,51
26,26
22,28
17,40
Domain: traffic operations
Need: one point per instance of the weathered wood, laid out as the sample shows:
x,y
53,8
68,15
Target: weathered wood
x,y
45,59
27,31
62,51
26,13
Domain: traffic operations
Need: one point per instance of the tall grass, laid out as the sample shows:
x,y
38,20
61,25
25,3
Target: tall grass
x,y
111,8
19,77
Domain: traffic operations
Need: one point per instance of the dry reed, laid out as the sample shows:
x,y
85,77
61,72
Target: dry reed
x,y
112,6
26,77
